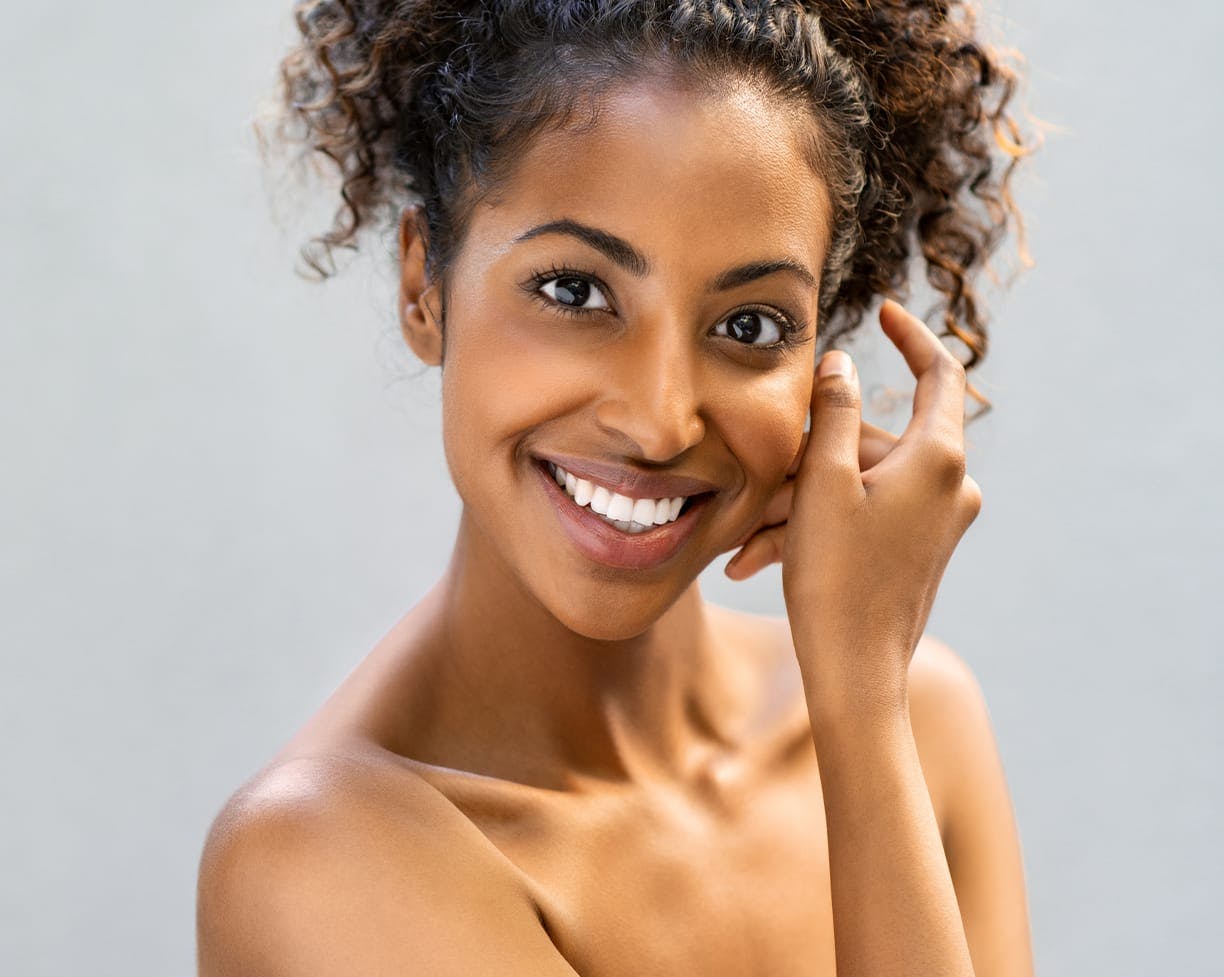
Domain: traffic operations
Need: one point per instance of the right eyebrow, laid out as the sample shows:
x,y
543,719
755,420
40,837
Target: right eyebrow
x,y
615,248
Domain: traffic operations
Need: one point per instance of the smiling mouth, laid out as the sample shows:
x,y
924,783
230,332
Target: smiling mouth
x,y
629,515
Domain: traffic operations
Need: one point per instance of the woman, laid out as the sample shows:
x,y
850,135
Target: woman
x,y
624,228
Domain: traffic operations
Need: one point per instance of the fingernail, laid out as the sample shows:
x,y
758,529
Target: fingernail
x,y
835,362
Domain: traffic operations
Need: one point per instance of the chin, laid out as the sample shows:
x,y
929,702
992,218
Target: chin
x,y
611,614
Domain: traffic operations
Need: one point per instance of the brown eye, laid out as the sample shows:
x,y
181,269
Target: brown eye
x,y
573,292
751,329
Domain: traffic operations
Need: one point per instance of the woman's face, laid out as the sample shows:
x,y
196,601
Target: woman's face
x,y
637,305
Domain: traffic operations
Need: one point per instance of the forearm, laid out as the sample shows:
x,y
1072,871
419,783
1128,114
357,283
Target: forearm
x,y
894,908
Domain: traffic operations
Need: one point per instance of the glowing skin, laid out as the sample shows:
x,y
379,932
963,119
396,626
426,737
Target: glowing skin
x,y
563,760
644,385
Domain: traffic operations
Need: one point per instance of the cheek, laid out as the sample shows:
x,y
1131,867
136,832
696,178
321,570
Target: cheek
x,y
500,380
763,425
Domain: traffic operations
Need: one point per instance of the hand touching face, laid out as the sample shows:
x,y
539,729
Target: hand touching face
x,y
636,308
865,527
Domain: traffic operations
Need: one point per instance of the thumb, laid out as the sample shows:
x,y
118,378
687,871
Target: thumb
x,y
832,453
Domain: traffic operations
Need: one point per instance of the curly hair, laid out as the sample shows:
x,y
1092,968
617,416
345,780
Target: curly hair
x,y
426,101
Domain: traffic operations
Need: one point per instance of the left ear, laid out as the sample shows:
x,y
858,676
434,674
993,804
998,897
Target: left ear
x,y
418,296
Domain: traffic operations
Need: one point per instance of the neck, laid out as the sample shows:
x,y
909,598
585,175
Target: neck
x,y
513,693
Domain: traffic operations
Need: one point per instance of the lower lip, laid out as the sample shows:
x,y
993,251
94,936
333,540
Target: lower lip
x,y
604,543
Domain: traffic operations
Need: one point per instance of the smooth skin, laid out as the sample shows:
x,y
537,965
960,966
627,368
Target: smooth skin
x,y
554,767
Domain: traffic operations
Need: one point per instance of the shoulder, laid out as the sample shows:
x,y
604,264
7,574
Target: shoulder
x,y
969,791
941,683
343,865
950,720
298,796
764,639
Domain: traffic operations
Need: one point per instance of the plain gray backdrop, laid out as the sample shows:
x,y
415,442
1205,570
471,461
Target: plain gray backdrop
x,y
221,484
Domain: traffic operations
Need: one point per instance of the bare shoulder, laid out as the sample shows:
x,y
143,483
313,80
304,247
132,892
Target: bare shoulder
x,y
947,713
965,775
764,638
936,669
764,648
945,698
350,864
969,793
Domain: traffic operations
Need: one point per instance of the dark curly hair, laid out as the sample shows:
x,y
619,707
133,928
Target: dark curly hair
x,y
426,101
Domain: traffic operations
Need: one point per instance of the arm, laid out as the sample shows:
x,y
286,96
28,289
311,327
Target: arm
x,y
323,873
961,760
895,912
869,525
884,843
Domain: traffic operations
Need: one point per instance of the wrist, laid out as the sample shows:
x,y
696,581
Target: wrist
x,y
862,705
846,722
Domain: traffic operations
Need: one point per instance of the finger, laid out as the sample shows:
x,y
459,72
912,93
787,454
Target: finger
x,y
832,453
779,506
777,511
759,552
794,465
874,444
939,398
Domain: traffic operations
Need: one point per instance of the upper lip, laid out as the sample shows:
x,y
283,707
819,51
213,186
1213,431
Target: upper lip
x,y
631,482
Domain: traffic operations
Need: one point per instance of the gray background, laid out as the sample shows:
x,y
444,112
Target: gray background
x,y
222,484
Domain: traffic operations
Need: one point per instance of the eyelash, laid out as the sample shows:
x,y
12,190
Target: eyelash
x,y
792,328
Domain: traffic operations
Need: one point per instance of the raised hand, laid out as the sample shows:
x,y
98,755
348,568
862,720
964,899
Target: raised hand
x,y
867,525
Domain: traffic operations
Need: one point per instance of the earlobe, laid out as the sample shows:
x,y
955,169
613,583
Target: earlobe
x,y
418,301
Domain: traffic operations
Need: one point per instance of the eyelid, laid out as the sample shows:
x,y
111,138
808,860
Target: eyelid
x,y
791,327
538,279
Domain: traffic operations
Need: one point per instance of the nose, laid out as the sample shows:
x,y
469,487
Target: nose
x,y
650,392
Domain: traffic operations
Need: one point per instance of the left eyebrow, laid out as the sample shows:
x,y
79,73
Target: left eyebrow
x,y
743,274
630,258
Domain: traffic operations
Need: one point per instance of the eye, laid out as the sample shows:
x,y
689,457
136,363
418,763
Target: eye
x,y
574,292
751,329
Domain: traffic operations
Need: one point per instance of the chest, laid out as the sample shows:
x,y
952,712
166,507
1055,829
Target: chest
x,y
656,884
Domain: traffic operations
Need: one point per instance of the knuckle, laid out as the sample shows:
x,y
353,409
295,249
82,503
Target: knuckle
x,y
842,470
948,462
834,479
951,368
838,394
971,493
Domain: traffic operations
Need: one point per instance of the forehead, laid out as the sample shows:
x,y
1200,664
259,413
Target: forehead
x,y
675,170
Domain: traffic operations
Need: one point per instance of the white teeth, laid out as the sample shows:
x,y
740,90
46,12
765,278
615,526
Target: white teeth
x,y
626,514
620,508
631,527
600,499
644,512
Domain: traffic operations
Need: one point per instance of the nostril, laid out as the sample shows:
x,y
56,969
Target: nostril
x,y
659,432
661,418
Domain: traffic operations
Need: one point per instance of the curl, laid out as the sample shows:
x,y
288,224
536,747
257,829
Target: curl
x,y
424,101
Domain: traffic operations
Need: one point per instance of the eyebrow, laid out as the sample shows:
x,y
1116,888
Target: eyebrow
x,y
620,251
